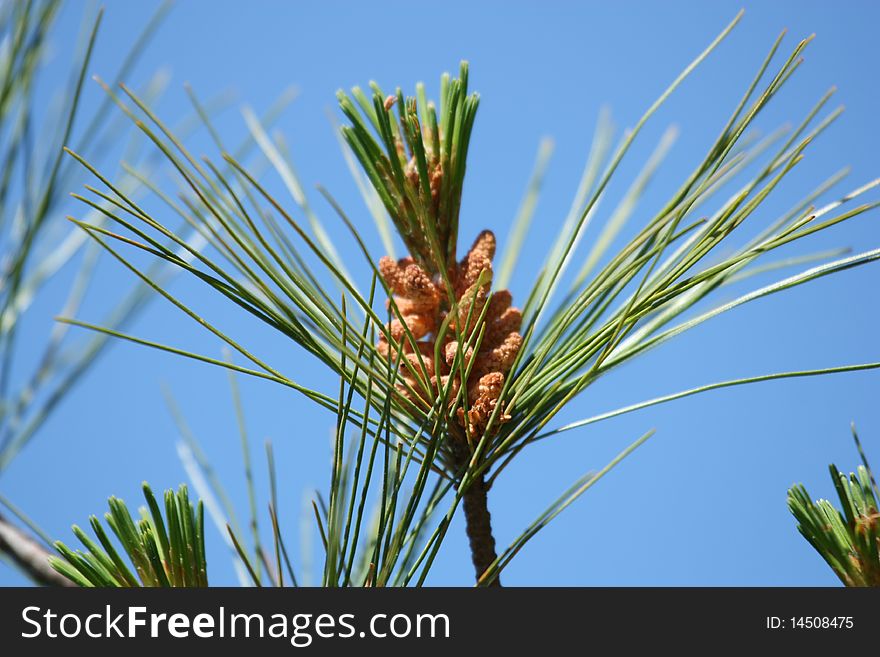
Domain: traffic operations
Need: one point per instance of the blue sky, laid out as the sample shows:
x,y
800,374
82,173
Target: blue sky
x,y
703,502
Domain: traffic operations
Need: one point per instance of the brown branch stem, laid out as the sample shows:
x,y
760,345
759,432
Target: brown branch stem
x,y
31,557
479,524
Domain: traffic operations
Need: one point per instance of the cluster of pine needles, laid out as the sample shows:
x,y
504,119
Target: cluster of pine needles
x,y
848,540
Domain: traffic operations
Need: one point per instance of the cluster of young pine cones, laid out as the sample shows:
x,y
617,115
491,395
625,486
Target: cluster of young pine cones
x,y
421,300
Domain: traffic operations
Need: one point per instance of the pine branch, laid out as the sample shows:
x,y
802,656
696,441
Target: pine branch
x,y
440,375
479,528
165,551
30,557
847,539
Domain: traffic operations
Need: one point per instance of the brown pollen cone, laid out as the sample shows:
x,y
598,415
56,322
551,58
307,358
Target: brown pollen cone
x,y
422,302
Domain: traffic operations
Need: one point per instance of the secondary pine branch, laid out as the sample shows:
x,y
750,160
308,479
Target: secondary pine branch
x,y
31,557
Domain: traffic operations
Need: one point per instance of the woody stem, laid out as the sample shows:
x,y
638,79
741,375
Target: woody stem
x,y
479,524
33,559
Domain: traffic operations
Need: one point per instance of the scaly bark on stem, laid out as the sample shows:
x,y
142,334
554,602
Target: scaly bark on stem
x,y
479,528
479,523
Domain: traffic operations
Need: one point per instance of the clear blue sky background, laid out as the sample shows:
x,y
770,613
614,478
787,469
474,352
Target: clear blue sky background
x,y
703,502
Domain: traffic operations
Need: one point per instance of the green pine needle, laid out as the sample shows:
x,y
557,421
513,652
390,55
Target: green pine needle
x,y
416,162
848,540
165,551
